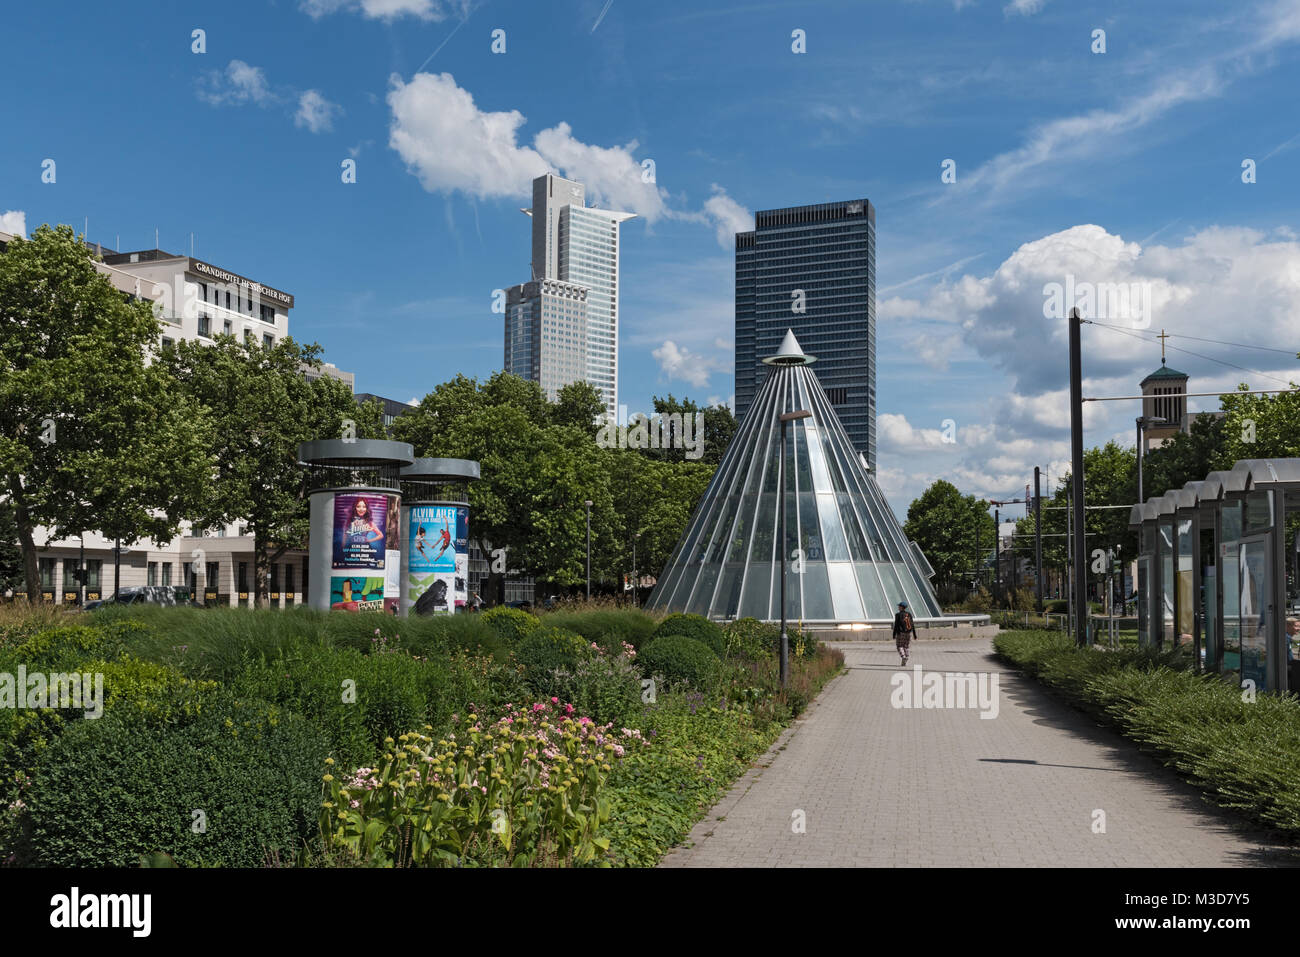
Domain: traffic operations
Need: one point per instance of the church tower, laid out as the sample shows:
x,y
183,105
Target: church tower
x,y
1164,397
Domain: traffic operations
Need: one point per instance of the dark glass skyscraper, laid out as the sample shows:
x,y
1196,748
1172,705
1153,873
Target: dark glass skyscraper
x,y
812,269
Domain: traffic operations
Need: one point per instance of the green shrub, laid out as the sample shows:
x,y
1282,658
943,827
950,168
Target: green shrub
x,y
50,649
694,626
356,700
603,687
680,661
512,624
751,639
658,792
544,651
607,627
123,786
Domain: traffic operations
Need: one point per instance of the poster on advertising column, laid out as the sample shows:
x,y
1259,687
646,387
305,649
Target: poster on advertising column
x,y
360,531
437,558
359,593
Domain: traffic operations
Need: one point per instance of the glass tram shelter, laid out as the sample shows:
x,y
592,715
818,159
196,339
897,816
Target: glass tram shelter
x,y
1212,571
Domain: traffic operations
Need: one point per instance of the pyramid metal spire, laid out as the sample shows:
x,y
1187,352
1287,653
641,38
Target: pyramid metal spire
x,y
849,560
790,353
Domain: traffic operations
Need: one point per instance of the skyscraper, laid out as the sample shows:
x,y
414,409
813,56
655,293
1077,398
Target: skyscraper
x,y
812,269
562,326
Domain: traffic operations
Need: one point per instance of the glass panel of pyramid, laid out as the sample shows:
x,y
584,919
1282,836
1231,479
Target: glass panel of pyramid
x,y
847,557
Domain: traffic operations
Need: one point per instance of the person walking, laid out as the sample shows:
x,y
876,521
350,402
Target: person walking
x,y
904,632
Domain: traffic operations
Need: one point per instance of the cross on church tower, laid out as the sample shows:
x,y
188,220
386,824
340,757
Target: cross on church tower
x,y
1162,337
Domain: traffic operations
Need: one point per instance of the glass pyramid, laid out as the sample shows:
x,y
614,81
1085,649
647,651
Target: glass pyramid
x,y
854,563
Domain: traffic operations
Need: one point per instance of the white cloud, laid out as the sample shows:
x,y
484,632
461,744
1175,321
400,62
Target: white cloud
x,y
315,112
1219,278
612,175
728,217
239,84
1023,7
933,350
681,363
1228,284
433,10
452,145
895,433
14,222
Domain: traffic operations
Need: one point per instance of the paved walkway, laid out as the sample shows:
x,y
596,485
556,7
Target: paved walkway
x,y
880,786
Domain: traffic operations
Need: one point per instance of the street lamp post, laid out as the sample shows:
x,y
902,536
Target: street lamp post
x,y
635,536
588,504
786,418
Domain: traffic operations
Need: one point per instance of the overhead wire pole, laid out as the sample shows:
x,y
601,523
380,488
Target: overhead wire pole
x,y
1038,540
1080,583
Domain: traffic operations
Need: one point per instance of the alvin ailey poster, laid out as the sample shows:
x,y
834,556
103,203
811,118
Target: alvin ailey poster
x,y
437,558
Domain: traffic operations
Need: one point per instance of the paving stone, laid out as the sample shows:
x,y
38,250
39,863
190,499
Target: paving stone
x,y
886,786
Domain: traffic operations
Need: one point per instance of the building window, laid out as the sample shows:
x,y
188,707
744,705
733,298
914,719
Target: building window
x,y
168,342
229,329
212,576
227,298
203,291
46,567
268,314
205,326
166,573
152,577
243,576
288,577
268,341
275,577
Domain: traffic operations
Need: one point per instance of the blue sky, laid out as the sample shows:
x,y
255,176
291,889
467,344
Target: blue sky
x,y
1115,166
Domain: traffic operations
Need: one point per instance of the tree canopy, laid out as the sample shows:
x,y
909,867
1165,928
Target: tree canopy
x,y
94,436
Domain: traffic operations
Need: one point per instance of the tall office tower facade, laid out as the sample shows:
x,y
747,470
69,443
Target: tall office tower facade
x,y
812,269
546,333
575,246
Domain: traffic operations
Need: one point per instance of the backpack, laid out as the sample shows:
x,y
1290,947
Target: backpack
x,y
907,622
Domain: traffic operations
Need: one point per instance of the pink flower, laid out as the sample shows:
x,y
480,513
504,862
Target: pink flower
x,y
555,701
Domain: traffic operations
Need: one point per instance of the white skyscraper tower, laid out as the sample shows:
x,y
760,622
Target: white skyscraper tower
x,y
566,330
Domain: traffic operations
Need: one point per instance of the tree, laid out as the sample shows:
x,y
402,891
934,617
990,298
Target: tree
x,y
540,462
1187,457
954,531
577,407
1260,426
93,436
11,556
262,408
719,429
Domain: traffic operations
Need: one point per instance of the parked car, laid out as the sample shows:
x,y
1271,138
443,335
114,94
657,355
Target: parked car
x,y
144,595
